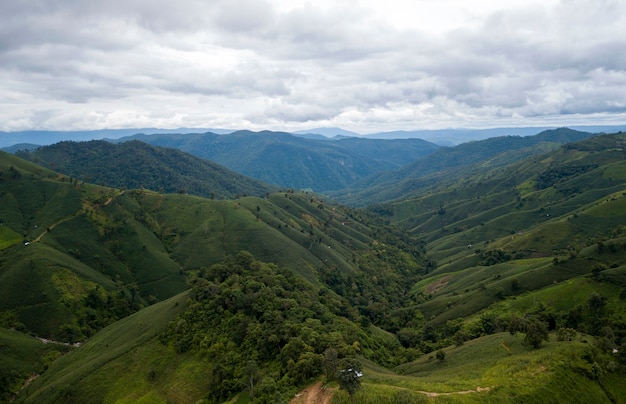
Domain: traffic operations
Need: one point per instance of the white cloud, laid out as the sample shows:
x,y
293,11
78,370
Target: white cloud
x,y
277,64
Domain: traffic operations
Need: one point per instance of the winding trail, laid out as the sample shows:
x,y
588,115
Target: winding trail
x,y
80,212
318,394
453,393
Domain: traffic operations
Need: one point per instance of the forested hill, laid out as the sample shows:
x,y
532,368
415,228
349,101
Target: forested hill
x,y
139,165
295,161
451,164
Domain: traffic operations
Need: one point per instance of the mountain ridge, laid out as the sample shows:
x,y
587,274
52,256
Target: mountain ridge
x,y
140,165
450,163
446,137
296,162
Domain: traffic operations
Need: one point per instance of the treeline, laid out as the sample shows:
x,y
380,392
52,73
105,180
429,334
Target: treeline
x,y
98,309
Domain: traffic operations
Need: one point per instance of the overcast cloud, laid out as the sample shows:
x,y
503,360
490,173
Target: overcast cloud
x,y
288,64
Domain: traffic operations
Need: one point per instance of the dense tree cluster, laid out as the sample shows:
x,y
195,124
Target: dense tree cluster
x,y
265,329
135,164
557,174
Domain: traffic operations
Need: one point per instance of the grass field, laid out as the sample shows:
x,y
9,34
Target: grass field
x,y
23,356
110,359
493,369
8,237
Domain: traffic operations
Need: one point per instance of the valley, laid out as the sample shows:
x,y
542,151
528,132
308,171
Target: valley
x,y
492,271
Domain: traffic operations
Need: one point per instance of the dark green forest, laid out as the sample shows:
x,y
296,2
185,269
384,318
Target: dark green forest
x,y
134,165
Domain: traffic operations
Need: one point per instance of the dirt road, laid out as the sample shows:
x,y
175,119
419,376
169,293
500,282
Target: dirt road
x,y
314,394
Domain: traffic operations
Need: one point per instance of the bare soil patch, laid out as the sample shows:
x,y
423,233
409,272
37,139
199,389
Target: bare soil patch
x,y
314,394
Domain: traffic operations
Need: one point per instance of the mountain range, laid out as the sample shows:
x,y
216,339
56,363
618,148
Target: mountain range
x,y
446,137
353,170
491,271
296,162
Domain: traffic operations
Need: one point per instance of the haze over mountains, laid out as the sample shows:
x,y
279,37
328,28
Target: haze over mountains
x,y
446,137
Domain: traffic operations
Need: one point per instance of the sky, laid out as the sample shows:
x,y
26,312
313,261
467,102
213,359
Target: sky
x,y
362,65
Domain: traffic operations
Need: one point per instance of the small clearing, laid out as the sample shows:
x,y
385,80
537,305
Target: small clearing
x,y
435,286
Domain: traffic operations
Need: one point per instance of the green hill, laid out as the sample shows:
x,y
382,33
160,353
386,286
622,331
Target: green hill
x,y
133,165
451,164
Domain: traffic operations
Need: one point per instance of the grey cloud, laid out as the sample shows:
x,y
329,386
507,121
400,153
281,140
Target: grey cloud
x,y
299,113
309,63
244,16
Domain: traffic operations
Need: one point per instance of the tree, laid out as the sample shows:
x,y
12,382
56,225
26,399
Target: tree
x,y
251,374
331,362
536,332
349,376
440,355
565,334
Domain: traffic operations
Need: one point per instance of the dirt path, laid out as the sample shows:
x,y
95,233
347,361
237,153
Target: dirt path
x,y
53,225
452,393
317,394
449,393
51,341
80,212
314,394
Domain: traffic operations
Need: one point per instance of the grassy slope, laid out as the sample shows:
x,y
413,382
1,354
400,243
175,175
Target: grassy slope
x,y
568,221
84,236
114,363
493,369
23,355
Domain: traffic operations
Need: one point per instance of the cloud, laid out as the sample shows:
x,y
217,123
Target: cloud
x,y
70,64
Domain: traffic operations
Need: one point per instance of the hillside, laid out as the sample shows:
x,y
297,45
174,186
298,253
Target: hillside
x,y
76,257
508,285
535,224
450,164
133,165
295,161
142,239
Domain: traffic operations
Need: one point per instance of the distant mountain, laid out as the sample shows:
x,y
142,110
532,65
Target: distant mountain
x,y
442,137
19,147
139,165
296,162
451,163
455,136
43,137
327,132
